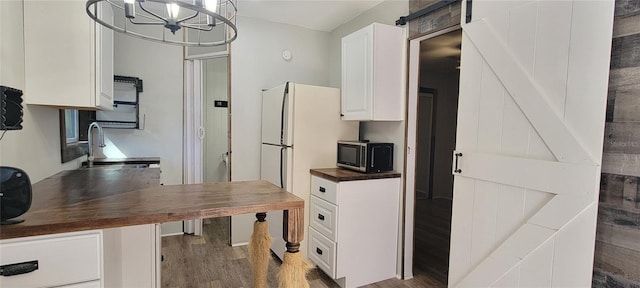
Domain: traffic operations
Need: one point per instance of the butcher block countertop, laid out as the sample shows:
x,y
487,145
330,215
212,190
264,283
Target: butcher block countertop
x,y
107,197
341,175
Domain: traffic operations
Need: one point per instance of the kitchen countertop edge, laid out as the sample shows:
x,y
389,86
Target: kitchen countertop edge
x,y
342,175
70,201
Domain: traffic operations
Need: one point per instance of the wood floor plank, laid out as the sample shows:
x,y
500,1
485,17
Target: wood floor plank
x,y
209,262
432,233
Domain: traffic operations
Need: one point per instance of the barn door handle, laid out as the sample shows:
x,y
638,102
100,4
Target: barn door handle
x,y
457,170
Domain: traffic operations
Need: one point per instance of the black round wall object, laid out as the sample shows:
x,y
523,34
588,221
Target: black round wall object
x,y
15,194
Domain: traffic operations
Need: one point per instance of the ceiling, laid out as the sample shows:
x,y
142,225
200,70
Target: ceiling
x,y
323,15
441,53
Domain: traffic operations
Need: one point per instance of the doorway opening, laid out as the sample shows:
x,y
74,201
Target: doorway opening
x,y
216,118
207,135
434,105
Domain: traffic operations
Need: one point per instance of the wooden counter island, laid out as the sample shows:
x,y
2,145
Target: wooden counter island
x,y
104,198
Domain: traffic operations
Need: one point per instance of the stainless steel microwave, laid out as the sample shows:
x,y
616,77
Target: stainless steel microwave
x,y
364,156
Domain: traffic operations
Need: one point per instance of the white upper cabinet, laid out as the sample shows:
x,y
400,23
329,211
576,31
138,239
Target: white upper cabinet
x,y
68,57
11,45
104,59
373,74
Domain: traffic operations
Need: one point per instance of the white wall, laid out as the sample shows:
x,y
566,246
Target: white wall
x,y
36,148
161,69
256,64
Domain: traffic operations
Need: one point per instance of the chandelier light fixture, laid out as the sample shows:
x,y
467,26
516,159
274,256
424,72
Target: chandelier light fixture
x,y
205,23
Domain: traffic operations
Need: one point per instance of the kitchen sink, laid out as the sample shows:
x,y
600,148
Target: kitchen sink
x,y
122,166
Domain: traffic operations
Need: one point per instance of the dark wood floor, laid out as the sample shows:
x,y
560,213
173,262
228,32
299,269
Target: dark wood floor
x,y
208,261
432,233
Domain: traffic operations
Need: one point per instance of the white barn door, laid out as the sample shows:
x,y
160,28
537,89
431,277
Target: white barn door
x,y
533,91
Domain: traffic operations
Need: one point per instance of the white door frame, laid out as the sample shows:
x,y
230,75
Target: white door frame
x,y
194,129
410,166
193,133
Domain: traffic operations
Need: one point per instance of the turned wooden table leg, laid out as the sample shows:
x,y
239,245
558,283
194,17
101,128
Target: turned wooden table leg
x,y
294,269
293,232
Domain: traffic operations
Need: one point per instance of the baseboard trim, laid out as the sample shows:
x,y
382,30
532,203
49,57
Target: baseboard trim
x,y
240,244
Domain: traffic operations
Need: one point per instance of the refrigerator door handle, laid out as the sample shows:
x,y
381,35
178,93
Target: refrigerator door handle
x,y
282,112
282,151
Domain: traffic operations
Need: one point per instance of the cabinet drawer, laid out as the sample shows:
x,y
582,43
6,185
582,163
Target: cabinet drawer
x,y
324,189
62,259
322,252
324,217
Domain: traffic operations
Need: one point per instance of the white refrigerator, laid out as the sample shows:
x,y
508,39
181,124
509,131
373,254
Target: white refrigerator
x,y
300,127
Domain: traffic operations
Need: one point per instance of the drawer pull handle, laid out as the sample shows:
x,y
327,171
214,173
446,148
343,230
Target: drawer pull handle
x,y
322,189
18,268
318,251
321,217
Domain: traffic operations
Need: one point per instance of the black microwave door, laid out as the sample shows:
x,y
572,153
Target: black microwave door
x,y
349,154
381,158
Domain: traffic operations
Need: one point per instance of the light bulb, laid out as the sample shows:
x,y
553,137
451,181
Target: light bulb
x,y
211,5
173,9
130,9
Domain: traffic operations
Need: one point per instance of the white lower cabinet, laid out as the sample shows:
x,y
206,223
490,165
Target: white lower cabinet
x,y
73,259
117,257
322,252
353,235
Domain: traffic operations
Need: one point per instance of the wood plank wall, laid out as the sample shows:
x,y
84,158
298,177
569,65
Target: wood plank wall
x,y
442,18
617,255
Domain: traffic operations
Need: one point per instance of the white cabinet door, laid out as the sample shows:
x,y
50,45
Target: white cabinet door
x,y
357,74
533,89
132,256
61,56
11,45
104,59
373,74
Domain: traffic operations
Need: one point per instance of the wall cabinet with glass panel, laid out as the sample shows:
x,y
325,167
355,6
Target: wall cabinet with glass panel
x,y
126,108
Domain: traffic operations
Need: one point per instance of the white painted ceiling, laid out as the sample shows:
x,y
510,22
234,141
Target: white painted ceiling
x,y
323,15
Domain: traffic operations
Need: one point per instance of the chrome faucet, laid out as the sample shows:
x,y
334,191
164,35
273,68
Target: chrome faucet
x,y
100,141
